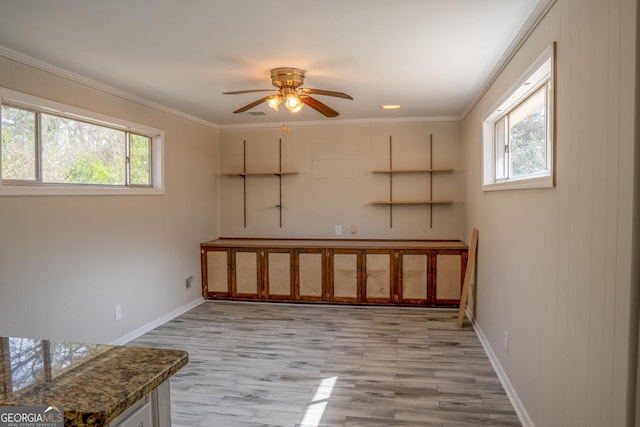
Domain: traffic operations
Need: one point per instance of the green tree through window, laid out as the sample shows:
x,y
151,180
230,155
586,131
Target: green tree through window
x,y
139,159
41,147
18,144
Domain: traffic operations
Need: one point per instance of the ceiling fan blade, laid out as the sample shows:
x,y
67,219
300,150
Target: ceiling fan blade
x,y
250,106
326,92
237,92
319,106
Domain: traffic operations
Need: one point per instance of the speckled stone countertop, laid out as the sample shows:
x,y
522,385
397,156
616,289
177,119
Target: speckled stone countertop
x,y
94,383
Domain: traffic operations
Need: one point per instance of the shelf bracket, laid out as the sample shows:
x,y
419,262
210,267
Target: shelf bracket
x,y
391,181
430,179
279,205
244,182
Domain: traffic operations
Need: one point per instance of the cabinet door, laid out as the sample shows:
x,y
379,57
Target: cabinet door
x,y
143,417
245,278
278,272
217,274
310,278
412,277
142,413
378,278
344,276
448,278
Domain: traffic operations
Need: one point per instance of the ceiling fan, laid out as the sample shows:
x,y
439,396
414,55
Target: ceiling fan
x,y
289,82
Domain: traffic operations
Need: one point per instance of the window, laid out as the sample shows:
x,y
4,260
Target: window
x,y
518,135
48,150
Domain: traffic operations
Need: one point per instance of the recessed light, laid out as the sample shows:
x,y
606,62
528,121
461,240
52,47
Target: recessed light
x,y
390,107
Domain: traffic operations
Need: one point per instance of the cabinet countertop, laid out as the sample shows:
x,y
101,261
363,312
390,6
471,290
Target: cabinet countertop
x,y
335,243
93,382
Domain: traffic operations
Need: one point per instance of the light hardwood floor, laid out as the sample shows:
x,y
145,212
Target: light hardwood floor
x,y
268,364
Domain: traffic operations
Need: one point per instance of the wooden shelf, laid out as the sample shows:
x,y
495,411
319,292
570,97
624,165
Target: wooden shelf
x,y
412,202
430,171
412,170
258,173
279,173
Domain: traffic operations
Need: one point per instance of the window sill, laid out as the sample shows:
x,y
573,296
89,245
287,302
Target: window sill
x,y
520,184
64,190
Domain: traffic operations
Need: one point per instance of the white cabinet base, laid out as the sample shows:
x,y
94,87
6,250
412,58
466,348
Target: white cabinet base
x,y
153,410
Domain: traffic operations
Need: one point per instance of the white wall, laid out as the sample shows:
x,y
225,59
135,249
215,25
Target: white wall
x,y
554,265
65,262
335,185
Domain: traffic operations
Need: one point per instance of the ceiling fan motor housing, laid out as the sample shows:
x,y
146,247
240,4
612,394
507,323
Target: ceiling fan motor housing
x,y
287,77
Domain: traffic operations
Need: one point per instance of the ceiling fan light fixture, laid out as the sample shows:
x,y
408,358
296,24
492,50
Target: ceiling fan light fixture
x,y
293,103
290,92
274,101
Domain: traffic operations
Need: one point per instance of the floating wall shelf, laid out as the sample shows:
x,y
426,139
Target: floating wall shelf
x,y
244,174
412,170
259,173
430,170
412,202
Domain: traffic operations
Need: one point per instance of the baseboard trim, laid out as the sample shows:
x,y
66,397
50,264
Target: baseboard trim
x,y
157,322
517,404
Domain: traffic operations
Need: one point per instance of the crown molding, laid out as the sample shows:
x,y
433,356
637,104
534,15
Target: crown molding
x,y
60,72
532,23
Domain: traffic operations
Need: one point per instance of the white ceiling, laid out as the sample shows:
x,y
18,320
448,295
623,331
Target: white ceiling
x,y
430,56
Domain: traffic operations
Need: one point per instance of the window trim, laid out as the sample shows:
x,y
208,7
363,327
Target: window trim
x,y
490,183
30,188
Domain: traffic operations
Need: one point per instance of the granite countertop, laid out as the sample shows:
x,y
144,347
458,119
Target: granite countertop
x,y
94,383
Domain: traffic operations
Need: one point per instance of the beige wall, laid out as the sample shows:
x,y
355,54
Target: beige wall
x,y
335,185
554,265
66,261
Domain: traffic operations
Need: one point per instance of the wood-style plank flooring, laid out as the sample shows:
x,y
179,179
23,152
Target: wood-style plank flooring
x,y
269,364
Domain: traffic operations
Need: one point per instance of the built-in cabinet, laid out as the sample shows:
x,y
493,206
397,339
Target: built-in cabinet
x,y
334,271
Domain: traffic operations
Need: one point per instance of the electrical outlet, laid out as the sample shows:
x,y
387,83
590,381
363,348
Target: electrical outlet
x,y
189,282
338,230
117,311
506,341
354,229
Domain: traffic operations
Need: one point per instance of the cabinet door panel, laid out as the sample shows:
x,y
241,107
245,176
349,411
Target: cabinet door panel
x,y
217,277
143,417
279,279
414,277
247,273
345,276
378,277
448,277
310,279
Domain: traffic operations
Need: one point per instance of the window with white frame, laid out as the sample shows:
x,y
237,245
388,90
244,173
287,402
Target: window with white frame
x,y
48,148
518,135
